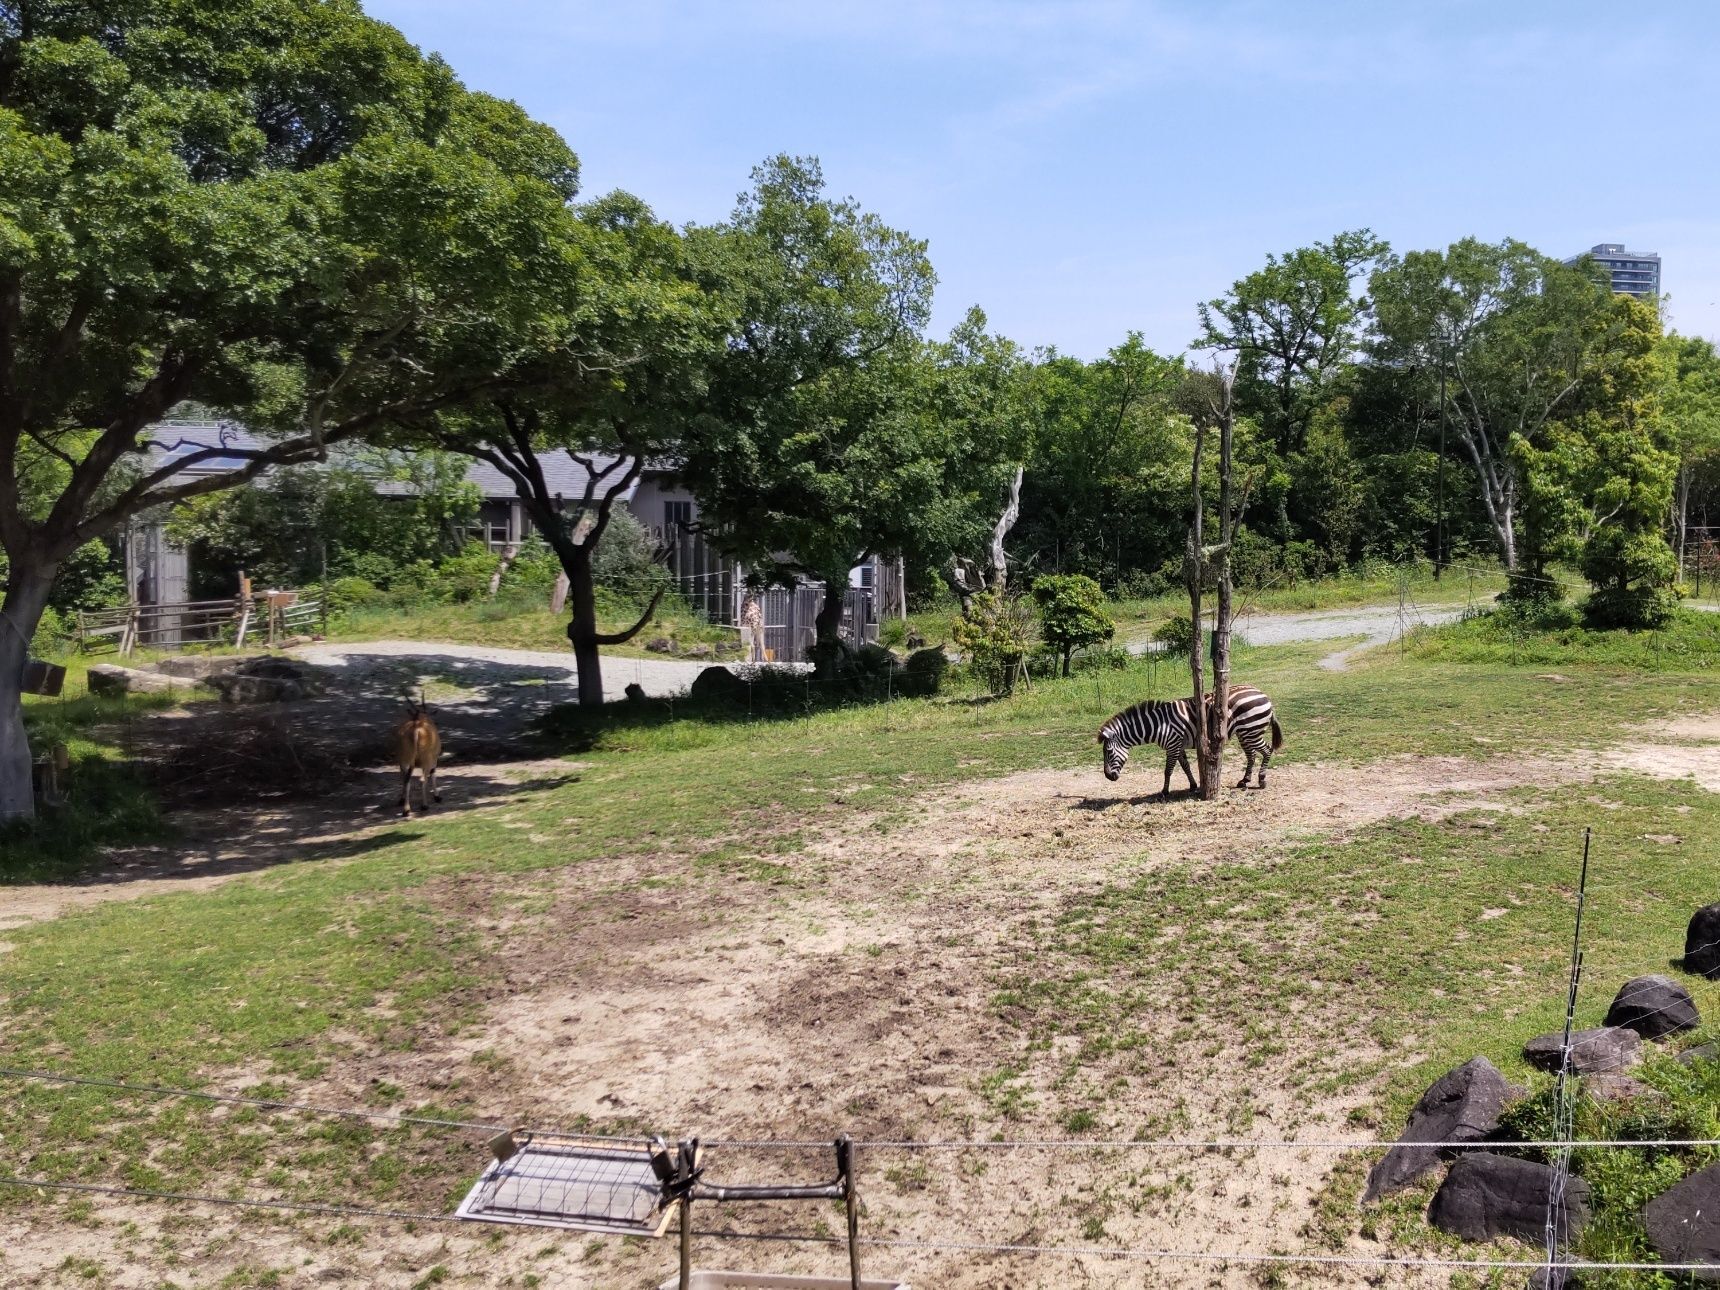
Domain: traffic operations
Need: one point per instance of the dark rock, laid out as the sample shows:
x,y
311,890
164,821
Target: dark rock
x,y
113,680
1615,1088
1702,943
699,651
660,645
1485,1196
1607,1048
1653,1006
635,692
914,640
1683,1222
1462,1105
1556,1279
196,667
716,683
1700,1053
264,680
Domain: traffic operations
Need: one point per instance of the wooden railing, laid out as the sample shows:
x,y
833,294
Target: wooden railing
x,y
257,619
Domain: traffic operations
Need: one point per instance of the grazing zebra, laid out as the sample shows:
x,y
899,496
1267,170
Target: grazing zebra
x,y
1168,723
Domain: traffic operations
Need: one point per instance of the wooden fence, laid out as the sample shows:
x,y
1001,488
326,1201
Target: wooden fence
x,y
258,619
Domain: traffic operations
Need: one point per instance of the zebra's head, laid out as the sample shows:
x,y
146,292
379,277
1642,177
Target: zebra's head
x,y
1116,753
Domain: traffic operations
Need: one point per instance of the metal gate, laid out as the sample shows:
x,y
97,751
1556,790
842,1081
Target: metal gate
x,y
791,620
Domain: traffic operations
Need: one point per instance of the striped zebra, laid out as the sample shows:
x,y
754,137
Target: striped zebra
x,y
1168,723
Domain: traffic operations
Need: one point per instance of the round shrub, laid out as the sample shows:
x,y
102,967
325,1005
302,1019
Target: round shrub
x,y
1176,635
1632,608
352,593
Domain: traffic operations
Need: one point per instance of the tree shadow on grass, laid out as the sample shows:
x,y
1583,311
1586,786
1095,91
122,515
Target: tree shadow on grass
x,y
572,728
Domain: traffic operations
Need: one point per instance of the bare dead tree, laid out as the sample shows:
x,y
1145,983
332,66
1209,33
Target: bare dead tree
x,y
965,576
1212,715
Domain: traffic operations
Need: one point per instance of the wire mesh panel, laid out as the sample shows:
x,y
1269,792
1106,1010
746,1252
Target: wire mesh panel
x,y
573,1183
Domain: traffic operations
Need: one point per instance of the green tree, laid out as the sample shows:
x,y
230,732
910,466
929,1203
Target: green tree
x,y
640,324
1072,613
823,443
1294,327
278,209
1516,333
1102,491
1692,414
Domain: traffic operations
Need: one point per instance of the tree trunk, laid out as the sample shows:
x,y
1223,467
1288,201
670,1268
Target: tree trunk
x,y
1682,517
1068,650
1197,637
582,625
827,633
20,614
1218,725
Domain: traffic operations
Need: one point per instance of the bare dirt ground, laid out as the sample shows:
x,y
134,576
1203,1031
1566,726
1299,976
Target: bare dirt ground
x,y
857,996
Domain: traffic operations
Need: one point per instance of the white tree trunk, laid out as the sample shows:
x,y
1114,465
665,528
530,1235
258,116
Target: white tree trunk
x,y
20,614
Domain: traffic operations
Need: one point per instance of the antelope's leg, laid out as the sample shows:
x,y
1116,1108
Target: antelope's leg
x,y
406,791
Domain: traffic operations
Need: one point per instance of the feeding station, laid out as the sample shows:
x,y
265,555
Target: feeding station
x,y
638,1189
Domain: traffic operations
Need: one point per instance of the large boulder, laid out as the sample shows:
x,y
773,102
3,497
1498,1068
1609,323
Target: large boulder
x,y
1683,1222
1700,1053
716,684
264,680
1702,943
198,667
1462,1105
1486,1196
113,681
1656,1007
1593,1052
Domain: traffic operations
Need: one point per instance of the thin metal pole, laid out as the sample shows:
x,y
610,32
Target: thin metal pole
x,y
1563,1124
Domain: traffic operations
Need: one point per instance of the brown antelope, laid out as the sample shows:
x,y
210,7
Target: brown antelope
x,y
417,745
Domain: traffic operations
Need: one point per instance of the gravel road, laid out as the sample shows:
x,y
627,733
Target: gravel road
x,y
1376,624
552,669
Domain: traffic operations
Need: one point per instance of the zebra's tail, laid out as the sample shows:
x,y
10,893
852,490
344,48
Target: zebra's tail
x,y
1277,735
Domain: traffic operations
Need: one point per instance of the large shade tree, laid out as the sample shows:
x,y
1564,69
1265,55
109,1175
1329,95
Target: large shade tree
x,y
639,326
277,208
1516,334
816,449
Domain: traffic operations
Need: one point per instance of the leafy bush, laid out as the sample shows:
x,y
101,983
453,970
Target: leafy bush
x,y
893,633
625,560
1072,613
352,593
53,635
995,634
1525,588
1630,608
1176,635
923,673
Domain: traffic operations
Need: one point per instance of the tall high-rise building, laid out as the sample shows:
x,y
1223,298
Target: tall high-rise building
x,y
1634,273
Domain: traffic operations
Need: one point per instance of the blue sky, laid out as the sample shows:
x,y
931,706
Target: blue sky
x,y
1090,167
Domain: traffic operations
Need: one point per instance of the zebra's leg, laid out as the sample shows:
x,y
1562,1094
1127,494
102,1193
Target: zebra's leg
x,y
1170,761
1248,770
1182,757
1265,759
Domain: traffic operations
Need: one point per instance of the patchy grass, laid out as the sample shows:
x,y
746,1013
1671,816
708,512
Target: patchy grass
x,y
525,624
292,974
107,803
1690,643
1410,949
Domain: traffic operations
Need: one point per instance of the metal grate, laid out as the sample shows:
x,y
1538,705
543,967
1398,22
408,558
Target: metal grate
x,y
571,1183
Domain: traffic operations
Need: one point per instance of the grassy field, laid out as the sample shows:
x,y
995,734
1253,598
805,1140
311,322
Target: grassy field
x,y
1408,943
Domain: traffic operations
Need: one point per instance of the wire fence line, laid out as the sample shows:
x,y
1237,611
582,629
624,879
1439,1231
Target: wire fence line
x,y
1135,1253
874,1144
